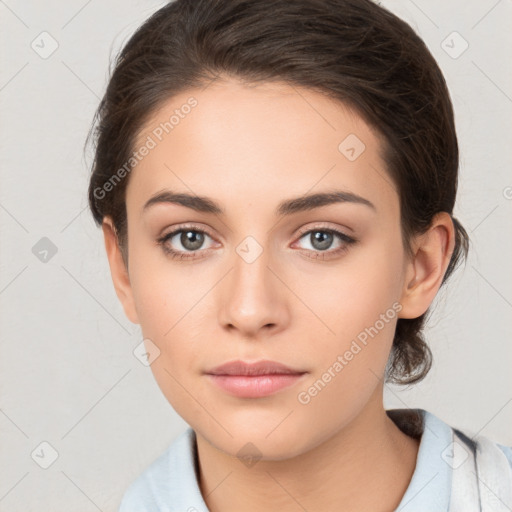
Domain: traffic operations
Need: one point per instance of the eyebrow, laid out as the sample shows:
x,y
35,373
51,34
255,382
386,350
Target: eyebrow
x,y
288,207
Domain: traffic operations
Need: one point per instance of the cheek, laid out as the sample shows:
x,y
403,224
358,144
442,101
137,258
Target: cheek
x,y
170,311
362,310
171,301
353,294
165,292
357,303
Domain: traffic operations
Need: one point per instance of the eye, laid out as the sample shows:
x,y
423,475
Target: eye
x,y
322,239
191,240
186,242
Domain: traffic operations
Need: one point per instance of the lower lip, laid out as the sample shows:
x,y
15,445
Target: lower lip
x,y
255,386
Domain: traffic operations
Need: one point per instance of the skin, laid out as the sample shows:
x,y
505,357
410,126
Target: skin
x,y
249,148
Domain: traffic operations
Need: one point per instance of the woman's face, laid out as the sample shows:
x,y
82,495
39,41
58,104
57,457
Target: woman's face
x,y
265,281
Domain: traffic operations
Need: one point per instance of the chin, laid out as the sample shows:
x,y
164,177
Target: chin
x,y
248,449
258,441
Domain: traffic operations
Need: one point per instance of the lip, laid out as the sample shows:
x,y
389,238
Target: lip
x,y
264,367
254,380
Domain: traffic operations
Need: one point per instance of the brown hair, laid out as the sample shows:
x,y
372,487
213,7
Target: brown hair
x,y
354,51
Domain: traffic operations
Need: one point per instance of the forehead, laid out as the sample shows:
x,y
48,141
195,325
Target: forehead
x,y
241,144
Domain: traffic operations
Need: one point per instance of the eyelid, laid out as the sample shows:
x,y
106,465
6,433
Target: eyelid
x,y
183,227
302,231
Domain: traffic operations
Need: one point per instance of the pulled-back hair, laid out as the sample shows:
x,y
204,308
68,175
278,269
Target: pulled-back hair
x,y
354,51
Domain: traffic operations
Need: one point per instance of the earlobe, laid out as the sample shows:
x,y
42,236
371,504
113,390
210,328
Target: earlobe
x,y
118,270
425,272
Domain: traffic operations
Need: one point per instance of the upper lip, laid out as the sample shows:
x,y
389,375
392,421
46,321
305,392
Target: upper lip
x,y
257,368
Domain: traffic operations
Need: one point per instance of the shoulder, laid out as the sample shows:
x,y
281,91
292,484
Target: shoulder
x,y
507,451
484,449
471,443
147,490
169,483
482,472
455,468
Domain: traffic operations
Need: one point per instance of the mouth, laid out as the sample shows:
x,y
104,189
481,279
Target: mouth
x,y
254,380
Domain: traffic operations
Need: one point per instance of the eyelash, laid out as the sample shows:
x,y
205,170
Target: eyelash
x,y
181,255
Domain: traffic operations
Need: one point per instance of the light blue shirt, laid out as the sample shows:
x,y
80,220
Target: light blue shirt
x,y
170,483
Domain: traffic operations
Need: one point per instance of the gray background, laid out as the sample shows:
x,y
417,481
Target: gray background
x,y
68,376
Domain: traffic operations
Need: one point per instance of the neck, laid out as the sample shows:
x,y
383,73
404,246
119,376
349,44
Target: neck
x,y
367,465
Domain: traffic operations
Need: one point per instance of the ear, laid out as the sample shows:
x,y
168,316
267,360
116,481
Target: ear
x,y
118,270
424,273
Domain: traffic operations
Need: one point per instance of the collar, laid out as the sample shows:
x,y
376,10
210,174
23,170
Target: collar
x,y
430,485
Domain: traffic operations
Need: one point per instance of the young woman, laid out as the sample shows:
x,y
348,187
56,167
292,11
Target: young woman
x,y
275,181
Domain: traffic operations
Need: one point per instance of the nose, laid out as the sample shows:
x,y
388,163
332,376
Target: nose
x,y
254,297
